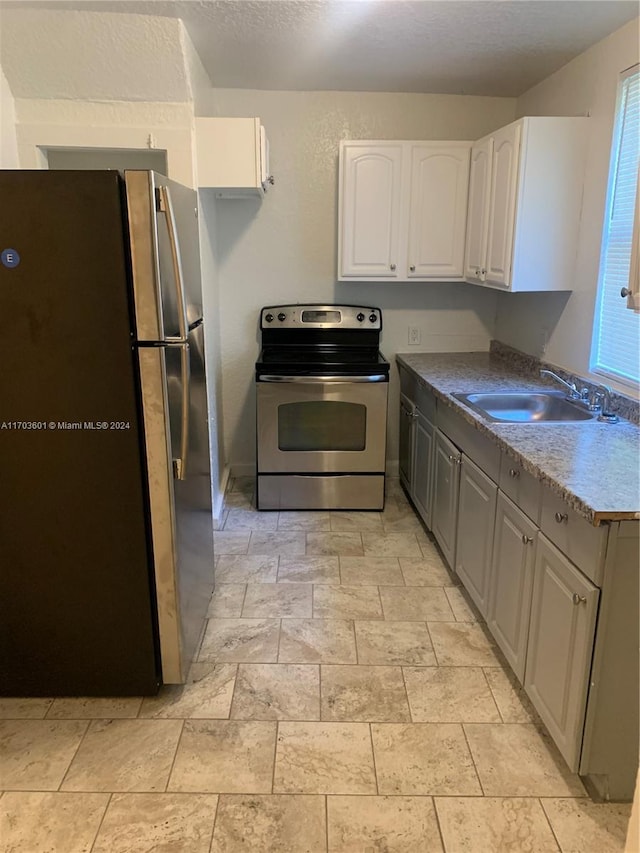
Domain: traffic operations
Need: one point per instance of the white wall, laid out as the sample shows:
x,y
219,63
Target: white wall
x,y
211,310
8,145
559,326
284,249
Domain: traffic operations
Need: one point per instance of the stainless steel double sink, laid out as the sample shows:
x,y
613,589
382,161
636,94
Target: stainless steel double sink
x,y
526,407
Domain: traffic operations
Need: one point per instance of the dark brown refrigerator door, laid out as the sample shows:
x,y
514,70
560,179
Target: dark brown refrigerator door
x,y
77,609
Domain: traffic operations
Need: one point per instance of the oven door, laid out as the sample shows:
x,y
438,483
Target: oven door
x,y
321,424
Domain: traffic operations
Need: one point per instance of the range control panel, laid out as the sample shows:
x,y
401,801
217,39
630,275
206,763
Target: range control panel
x,y
321,317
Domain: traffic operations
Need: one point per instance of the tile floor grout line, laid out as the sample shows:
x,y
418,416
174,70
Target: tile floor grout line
x,y
548,819
355,641
435,811
75,753
473,761
426,623
404,681
326,822
373,757
175,755
275,757
488,683
213,825
104,814
233,692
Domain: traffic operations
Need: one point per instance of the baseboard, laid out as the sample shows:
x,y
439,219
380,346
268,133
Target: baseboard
x,y
243,470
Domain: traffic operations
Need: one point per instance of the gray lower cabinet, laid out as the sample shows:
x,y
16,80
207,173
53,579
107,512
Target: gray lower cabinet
x,y
511,581
561,633
446,482
422,480
405,440
474,540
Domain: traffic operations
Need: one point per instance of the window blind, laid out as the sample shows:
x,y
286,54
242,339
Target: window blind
x,y
617,332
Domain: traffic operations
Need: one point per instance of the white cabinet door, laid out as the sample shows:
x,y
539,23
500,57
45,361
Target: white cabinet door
x,y
371,186
423,467
478,210
511,581
406,440
502,204
437,211
232,156
563,618
474,541
446,482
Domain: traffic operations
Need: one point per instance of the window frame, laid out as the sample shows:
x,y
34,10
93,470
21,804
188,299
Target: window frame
x,y
615,377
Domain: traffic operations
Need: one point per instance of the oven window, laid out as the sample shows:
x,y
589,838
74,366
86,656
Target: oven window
x,y
322,425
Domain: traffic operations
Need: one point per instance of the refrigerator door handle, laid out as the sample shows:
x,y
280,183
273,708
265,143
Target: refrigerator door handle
x,y
166,207
180,464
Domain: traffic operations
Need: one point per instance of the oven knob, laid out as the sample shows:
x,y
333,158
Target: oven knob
x,y
373,318
360,317
282,316
268,318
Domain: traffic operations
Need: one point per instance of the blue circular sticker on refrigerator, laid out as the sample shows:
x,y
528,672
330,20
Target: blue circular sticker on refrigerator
x,y
10,258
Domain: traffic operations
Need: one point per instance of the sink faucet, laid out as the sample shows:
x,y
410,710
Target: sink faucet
x,y
601,402
574,394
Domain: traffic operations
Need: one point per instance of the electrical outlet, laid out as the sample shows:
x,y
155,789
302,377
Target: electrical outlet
x,y
414,336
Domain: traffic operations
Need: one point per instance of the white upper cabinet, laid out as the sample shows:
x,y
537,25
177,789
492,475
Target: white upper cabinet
x,y
525,203
478,209
437,212
402,210
502,204
371,185
233,156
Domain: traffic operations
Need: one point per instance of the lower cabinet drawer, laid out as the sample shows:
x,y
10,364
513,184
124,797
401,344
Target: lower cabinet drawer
x,y
584,544
523,489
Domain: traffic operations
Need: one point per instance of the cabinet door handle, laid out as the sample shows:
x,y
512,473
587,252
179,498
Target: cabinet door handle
x,y
625,292
526,540
412,268
455,459
514,473
579,599
392,267
561,517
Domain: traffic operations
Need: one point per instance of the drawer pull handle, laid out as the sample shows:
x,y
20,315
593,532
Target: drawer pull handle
x,y
526,540
579,599
514,473
561,517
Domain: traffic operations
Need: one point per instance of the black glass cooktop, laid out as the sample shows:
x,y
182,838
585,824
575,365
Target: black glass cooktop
x,y
318,360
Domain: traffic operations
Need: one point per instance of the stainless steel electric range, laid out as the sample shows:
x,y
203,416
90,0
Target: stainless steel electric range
x,y
322,387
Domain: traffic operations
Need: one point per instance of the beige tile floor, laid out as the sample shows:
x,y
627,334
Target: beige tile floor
x,y
346,699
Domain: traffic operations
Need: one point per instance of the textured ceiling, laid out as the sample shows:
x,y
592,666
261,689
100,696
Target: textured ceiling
x,y
477,47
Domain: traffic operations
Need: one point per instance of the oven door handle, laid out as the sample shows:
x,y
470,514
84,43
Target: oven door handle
x,y
332,380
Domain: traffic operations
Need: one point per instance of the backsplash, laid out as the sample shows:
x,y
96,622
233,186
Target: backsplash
x,y
625,407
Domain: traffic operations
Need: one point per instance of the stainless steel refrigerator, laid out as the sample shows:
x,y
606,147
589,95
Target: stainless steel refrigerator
x,y
106,544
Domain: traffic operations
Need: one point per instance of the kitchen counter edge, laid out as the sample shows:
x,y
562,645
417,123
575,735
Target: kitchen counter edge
x,y
435,379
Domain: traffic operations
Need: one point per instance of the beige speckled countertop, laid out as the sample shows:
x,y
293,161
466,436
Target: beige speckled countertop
x,y
594,466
